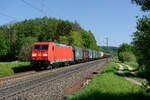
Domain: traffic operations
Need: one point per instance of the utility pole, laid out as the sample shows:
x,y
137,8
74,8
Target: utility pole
x,y
106,42
107,46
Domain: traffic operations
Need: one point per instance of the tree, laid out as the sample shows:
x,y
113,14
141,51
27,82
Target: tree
x,y
4,48
89,41
124,47
86,40
125,52
76,27
141,38
141,41
127,56
76,39
26,47
64,28
145,4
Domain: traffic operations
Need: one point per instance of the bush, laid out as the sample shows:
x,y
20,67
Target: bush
x,y
26,46
127,56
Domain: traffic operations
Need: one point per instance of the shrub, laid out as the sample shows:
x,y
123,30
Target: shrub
x,y
127,56
26,47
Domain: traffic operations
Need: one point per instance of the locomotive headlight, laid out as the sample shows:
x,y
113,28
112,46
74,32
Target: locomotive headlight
x,y
45,54
34,55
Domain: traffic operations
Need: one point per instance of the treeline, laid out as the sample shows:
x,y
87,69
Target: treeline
x,y
16,39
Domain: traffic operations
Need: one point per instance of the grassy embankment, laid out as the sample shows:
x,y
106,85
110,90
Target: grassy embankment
x,y
109,85
9,68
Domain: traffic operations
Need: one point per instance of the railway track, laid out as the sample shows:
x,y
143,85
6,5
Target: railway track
x,y
26,74
19,86
15,76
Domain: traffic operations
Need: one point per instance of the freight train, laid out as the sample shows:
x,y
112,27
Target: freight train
x,y
54,55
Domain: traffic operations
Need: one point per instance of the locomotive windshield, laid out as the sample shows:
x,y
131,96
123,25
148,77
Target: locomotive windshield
x,y
40,47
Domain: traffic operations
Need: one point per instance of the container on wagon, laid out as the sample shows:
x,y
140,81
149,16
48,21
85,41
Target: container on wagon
x,y
85,54
101,54
90,54
77,53
94,54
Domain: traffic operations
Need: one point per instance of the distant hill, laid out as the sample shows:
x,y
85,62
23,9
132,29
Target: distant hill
x,y
110,49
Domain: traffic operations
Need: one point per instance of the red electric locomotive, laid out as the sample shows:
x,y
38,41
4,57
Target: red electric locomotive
x,y
50,53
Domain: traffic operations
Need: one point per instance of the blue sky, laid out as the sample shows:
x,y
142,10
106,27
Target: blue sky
x,y
115,19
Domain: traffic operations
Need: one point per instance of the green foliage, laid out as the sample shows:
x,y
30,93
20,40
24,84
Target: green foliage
x,y
63,28
133,64
26,47
125,53
124,47
21,35
76,39
76,27
89,41
4,46
141,42
145,4
127,56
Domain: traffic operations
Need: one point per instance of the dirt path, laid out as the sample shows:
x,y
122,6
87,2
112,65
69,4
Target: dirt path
x,y
131,70
120,71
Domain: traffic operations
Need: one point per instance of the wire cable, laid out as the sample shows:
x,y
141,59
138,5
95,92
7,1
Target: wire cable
x,y
34,7
3,14
47,7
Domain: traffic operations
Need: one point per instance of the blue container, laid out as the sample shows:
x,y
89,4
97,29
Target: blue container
x,y
90,54
96,54
93,54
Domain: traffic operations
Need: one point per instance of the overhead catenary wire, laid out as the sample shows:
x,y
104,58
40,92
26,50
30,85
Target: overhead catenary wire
x,y
43,5
34,7
3,14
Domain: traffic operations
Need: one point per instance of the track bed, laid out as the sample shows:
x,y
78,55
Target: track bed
x,y
49,85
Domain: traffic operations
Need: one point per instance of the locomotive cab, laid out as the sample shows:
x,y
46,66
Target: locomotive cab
x,y
40,52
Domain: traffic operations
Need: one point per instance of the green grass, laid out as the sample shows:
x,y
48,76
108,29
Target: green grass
x,y
9,68
134,65
109,85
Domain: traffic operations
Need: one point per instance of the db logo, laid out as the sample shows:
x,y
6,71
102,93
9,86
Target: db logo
x,y
40,54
